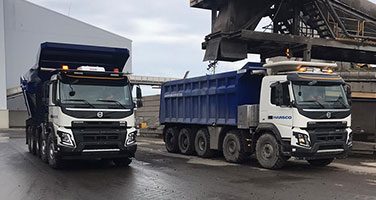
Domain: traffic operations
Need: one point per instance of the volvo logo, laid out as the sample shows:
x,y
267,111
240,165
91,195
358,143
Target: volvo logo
x,y
329,115
99,114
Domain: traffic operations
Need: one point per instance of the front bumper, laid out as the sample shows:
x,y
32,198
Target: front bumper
x,y
321,151
71,153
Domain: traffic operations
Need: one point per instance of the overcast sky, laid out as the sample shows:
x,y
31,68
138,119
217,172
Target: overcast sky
x,y
166,34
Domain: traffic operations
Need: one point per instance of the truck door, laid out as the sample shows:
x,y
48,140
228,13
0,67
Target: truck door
x,y
280,112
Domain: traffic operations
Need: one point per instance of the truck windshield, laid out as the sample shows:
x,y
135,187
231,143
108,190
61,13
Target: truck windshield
x,y
318,95
95,94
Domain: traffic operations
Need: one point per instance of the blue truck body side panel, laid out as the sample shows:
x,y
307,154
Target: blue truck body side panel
x,y
211,99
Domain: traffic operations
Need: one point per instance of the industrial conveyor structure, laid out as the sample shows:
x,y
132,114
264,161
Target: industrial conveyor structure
x,y
338,30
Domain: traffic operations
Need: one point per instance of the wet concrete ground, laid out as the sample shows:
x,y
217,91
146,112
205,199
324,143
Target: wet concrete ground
x,y
156,174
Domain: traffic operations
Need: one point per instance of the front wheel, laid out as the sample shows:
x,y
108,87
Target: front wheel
x,y
268,152
43,148
320,162
53,158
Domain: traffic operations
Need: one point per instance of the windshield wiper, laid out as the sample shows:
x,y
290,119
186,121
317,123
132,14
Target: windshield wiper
x,y
318,103
113,101
81,100
341,102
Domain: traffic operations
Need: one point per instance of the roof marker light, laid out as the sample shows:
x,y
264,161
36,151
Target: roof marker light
x,y
302,69
65,67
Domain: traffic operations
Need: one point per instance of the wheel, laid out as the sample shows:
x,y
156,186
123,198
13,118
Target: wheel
x,y
186,141
234,148
122,162
53,158
37,143
31,143
320,162
268,152
171,140
43,148
202,144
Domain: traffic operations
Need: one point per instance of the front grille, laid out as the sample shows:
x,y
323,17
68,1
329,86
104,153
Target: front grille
x,y
100,135
98,132
330,136
315,125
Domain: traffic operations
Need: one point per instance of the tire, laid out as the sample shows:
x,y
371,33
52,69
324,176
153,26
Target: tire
x,y
202,144
268,152
54,160
186,141
31,141
171,139
43,148
234,148
122,162
37,144
320,162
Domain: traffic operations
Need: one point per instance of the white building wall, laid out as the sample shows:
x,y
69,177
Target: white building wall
x,y
4,115
3,88
28,25
23,27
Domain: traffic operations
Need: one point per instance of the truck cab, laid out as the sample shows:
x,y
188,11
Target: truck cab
x,y
308,110
80,105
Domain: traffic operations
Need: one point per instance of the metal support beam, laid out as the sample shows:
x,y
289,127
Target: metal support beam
x,y
214,16
307,56
296,20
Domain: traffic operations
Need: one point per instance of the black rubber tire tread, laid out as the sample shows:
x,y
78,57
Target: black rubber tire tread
x,y
37,144
320,162
43,155
56,162
171,143
189,133
240,155
31,140
122,162
206,152
278,160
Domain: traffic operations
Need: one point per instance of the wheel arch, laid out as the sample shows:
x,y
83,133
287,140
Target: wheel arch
x,y
266,128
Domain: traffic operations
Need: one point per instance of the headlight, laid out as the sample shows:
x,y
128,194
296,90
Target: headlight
x,y
302,139
65,138
131,138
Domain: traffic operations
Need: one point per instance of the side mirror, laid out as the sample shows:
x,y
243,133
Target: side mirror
x,y
139,97
348,93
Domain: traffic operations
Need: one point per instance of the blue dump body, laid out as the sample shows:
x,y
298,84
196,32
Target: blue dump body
x,y
211,99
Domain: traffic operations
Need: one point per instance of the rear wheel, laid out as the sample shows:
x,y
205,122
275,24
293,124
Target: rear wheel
x,y
202,144
31,140
122,162
186,141
53,158
171,139
320,162
268,152
234,148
